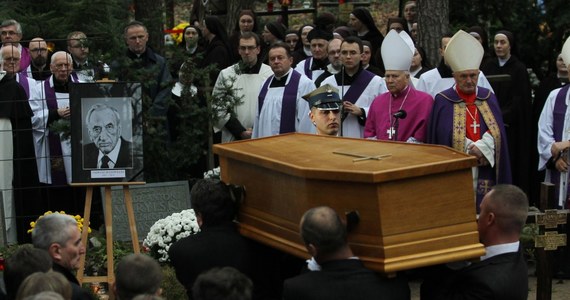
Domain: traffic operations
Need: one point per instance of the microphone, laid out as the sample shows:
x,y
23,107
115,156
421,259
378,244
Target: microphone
x,y
401,114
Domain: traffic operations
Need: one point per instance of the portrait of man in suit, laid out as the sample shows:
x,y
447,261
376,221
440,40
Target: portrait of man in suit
x,y
108,149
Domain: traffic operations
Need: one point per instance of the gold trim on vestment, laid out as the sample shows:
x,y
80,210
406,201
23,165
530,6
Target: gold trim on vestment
x,y
458,140
487,114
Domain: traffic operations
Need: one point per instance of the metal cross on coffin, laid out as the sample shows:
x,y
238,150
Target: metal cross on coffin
x,y
363,157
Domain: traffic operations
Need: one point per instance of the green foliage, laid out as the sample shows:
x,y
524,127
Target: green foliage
x,y
171,287
63,127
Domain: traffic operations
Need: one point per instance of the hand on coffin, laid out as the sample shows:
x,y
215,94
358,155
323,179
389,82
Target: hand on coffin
x,y
64,112
481,159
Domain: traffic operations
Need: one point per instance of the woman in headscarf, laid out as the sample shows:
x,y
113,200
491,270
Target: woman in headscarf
x,y
362,22
217,48
190,46
514,95
303,47
246,23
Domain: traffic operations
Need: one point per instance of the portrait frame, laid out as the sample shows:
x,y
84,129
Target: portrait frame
x,y
106,132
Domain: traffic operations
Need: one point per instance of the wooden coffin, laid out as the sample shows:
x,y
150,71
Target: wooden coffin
x,y
416,205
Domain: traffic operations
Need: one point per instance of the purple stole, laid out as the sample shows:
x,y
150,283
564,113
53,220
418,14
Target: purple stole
x,y
358,85
23,81
57,176
74,76
25,59
289,107
308,71
558,116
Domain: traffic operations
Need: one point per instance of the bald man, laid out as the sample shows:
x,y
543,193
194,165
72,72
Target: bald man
x,y
337,274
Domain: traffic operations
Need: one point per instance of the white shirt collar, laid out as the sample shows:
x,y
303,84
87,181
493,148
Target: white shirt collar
x,y
113,155
495,250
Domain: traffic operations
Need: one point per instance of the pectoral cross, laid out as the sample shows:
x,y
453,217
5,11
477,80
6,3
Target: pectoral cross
x,y
390,132
474,126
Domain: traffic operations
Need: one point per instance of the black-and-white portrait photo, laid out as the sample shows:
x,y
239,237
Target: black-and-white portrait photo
x,y
107,149
106,129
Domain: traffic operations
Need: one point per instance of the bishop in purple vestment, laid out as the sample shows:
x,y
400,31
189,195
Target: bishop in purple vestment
x,y
468,118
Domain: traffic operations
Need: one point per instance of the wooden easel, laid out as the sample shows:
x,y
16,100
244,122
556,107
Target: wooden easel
x,y
110,277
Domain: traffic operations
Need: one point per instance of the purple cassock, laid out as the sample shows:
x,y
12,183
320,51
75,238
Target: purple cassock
x,y
446,128
380,120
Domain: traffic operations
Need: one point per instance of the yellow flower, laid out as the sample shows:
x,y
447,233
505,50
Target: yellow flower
x,y
77,218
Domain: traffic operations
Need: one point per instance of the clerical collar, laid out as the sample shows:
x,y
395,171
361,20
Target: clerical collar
x,y
284,77
347,79
307,51
281,81
245,69
319,64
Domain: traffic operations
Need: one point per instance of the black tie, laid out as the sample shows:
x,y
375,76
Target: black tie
x,y
105,162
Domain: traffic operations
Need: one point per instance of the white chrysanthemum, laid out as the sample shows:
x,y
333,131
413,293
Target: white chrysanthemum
x,y
164,232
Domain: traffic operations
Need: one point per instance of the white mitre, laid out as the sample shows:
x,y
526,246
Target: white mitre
x,y
397,51
463,52
566,52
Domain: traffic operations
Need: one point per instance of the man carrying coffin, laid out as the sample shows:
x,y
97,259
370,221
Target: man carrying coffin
x,y
325,107
467,117
402,113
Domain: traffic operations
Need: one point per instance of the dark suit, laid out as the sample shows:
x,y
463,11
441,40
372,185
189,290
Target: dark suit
x,y
503,277
215,246
344,279
124,159
77,292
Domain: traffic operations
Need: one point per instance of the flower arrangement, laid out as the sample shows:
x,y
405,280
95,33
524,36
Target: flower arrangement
x,y
169,230
77,218
212,174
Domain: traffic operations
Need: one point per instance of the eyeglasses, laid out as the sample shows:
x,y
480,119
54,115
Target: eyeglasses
x,y
244,48
6,33
60,67
39,50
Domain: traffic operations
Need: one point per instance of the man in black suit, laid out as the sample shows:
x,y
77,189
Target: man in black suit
x,y
218,244
502,272
108,149
336,272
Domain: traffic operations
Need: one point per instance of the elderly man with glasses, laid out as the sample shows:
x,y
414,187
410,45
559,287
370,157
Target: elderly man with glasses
x,y
11,34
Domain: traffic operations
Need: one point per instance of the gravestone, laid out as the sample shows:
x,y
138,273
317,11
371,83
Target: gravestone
x,y
151,202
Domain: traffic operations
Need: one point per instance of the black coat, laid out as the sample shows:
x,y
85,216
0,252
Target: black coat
x,y
344,279
503,277
77,292
215,246
514,98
